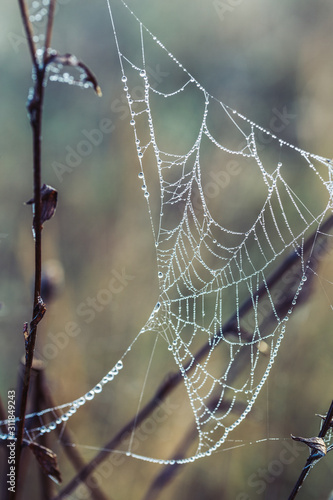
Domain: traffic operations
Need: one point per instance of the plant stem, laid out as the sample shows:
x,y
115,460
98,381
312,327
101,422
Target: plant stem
x,y
49,30
28,31
35,108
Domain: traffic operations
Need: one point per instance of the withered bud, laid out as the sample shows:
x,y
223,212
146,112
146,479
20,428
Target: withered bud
x,y
47,459
49,198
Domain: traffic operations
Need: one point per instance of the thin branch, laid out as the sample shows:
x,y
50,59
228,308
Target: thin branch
x,y
35,108
40,211
174,379
72,61
29,31
306,469
49,28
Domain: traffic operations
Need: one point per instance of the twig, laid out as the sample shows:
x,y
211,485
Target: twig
x,y
35,108
44,203
36,122
28,31
306,468
49,28
175,378
72,61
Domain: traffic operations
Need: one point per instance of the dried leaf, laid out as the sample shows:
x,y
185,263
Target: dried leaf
x,y
49,198
47,459
315,443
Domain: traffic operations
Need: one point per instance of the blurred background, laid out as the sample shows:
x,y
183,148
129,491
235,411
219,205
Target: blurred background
x,y
263,58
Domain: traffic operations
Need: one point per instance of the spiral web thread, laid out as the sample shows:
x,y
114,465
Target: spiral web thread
x,y
206,270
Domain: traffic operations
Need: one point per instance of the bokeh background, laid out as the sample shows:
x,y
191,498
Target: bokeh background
x,y
258,57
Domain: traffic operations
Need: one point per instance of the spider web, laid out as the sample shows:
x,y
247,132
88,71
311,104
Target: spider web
x,y
225,291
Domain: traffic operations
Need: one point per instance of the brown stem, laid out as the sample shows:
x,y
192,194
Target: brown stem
x,y
28,30
35,108
306,468
49,28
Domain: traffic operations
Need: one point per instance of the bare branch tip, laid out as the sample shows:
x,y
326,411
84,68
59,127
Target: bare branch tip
x,y
47,460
